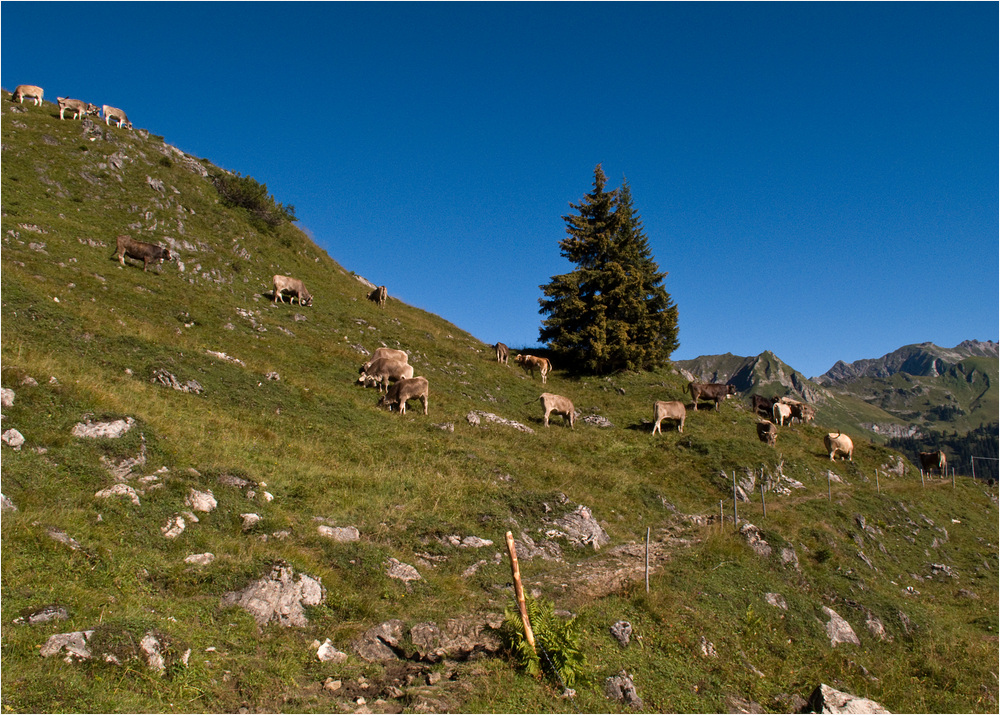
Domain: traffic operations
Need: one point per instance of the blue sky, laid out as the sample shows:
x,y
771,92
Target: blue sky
x,y
819,180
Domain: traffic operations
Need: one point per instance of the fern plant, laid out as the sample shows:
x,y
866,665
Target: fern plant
x,y
557,654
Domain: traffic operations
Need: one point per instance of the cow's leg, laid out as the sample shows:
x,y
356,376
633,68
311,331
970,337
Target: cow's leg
x,y
656,426
547,417
423,399
680,427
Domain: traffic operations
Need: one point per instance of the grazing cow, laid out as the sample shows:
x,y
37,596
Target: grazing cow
x,y
767,432
292,285
502,353
802,412
558,404
389,353
30,91
115,113
762,405
670,411
530,363
78,107
781,413
406,389
710,391
839,443
379,296
145,252
383,371
934,460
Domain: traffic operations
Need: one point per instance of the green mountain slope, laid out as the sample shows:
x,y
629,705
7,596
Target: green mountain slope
x,y
274,424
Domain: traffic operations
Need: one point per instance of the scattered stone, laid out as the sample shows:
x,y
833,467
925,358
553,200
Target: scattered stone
x,y
751,534
825,699
200,559
332,685
63,538
169,380
708,648
380,642
45,615
119,490
6,397
250,521
29,381
446,427
403,572
102,430
201,501
962,592
6,504
280,596
340,534
150,645
227,358
776,600
474,542
622,632
459,639
581,527
73,644
737,704
174,527
13,439
876,627
942,570
620,688
838,630
328,654
789,557
476,417
597,421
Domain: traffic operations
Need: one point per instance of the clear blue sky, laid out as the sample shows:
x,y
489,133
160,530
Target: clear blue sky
x,y
819,180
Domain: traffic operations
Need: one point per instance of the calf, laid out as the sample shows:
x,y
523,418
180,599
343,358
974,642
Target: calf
x,y
502,353
762,405
30,91
839,443
558,404
379,296
802,412
934,460
145,252
710,391
383,371
781,413
78,107
292,285
530,363
389,353
767,432
670,411
406,389
115,113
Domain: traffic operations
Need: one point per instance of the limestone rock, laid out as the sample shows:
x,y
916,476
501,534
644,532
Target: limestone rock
x,y
825,699
380,642
119,490
751,534
622,631
174,527
620,688
6,397
280,596
73,644
340,534
328,654
403,572
250,521
200,559
6,504
776,600
13,439
201,501
838,630
581,527
45,615
102,430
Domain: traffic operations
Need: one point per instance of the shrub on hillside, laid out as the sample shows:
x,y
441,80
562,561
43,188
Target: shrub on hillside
x,y
245,192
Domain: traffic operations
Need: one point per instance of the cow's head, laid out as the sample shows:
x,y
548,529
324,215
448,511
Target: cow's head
x,y
730,390
305,299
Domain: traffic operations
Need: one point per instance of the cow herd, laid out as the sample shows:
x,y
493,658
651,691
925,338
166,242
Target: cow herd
x,y
77,107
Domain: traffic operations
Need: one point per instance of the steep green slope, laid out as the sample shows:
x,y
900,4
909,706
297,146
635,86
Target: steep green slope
x,y
279,408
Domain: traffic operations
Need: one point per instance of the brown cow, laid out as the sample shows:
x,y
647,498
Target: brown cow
x,y
530,363
390,353
934,460
379,296
292,285
839,443
28,90
140,251
406,389
78,107
115,113
558,404
802,412
502,353
668,410
762,405
767,432
383,371
710,391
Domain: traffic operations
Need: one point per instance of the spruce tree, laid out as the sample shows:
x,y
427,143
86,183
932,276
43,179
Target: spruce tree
x,y
611,312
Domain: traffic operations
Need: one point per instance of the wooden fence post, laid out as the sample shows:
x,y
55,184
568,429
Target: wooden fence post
x,y
647,559
736,516
763,504
519,591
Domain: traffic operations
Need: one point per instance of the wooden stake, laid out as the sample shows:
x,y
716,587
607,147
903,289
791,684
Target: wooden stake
x,y
878,487
519,591
736,516
647,559
763,504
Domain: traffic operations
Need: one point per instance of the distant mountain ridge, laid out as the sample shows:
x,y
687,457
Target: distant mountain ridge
x,y
921,360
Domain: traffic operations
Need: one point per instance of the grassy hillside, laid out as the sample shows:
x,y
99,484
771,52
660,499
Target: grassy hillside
x,y
279,408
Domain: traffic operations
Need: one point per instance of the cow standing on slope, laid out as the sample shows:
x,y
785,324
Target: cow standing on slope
x,y
140,251
294,286
530,363
710,391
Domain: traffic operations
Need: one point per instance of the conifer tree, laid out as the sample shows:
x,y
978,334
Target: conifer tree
x,y
611,312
